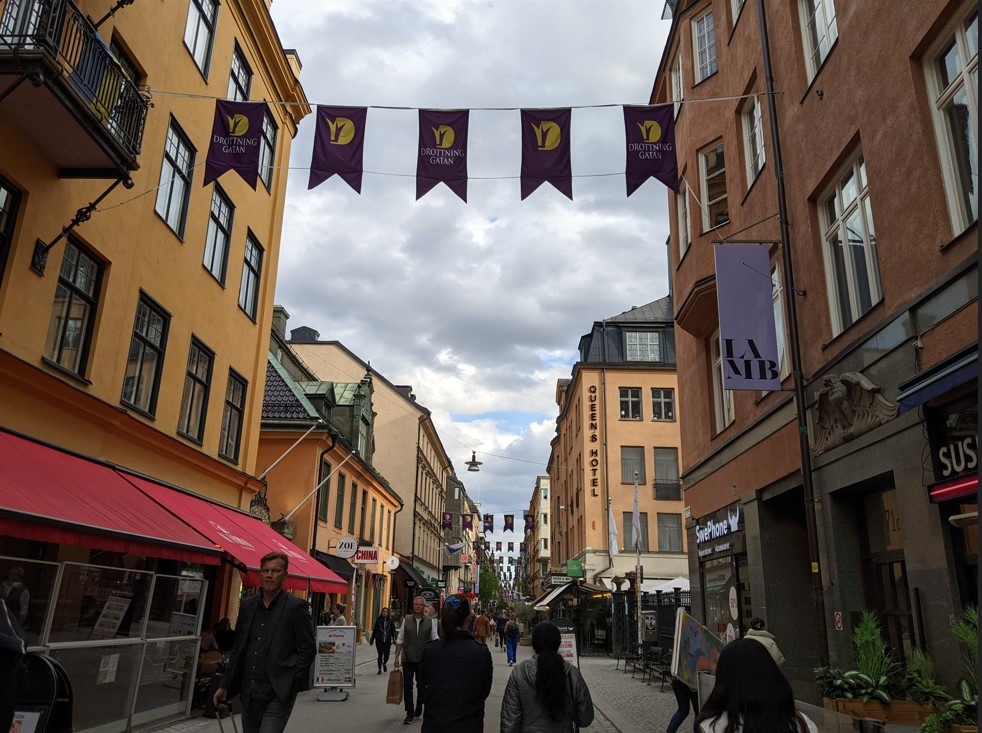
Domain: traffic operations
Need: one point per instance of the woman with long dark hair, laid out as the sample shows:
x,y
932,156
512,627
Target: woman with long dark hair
x,y
455,674
545,694
383,632
751,695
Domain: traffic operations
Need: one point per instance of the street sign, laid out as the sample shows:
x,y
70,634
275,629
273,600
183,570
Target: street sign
x,y
346,547
367,555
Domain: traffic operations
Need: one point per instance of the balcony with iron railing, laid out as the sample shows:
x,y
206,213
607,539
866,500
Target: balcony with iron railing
x,y
63,87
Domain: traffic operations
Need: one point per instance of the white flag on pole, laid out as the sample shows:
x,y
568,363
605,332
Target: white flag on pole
x,y
636,522
611,533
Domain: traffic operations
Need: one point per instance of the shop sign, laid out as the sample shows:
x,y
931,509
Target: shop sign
x,y
720,524
367,556
574,568
556,580
593,433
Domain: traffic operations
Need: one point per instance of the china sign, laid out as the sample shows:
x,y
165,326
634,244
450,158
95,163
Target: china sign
x,y
367,555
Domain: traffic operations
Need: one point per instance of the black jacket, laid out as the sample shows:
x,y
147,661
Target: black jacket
x,y
521,711
383,628
456,680
292,647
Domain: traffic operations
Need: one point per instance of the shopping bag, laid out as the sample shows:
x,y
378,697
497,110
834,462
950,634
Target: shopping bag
x,y
496,642
393,693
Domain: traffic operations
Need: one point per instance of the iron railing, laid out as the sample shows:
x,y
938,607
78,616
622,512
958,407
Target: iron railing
x,y
58,30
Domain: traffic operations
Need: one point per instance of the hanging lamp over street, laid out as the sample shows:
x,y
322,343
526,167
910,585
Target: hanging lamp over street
x,y
473,464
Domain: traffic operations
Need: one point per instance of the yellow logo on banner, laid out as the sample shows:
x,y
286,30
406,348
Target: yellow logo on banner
x,y
650,131
444,136
342,130
238,125
547,135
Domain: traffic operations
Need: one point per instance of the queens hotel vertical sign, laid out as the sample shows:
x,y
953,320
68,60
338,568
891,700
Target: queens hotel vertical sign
x,y
593,431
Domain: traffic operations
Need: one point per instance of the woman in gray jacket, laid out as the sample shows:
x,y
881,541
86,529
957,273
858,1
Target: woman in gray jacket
x,y
545,694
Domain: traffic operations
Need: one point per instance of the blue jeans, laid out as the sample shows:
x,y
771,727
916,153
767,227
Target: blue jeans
x,y
684,697
262,714
511,646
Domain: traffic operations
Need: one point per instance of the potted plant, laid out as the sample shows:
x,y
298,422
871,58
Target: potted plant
x,y
960,713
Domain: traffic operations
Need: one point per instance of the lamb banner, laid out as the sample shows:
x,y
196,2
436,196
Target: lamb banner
x,y
442,151
339,146
650,145
235,139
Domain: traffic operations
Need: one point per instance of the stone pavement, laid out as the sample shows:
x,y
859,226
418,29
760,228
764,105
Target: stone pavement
x,y
622,704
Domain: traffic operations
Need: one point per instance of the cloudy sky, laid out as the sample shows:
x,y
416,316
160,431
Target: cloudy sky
x,y
479,306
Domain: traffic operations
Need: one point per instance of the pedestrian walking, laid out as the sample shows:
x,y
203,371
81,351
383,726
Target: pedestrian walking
x,y
766,638
751,695
685,698
339,619
545,694
274,648
415,633
511,639
456,674
383,633
482,628
500,624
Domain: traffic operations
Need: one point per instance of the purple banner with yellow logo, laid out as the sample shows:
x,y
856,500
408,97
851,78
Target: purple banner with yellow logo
x,y
339,145
650,141
442,151
235,139
489,523
545,150
467,521
747,336
529,522
446,520
511,547
509,523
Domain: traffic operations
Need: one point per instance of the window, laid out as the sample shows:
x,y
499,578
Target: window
x,y
953,82
364,508
324,492
662,404
235,394
239,77
819,32
722,398
127,64
630,403
678,91
267,150
352,507
851,266
669,532
545,544
667,485
388,529
704,46
9,201
175,179
252,267
684,223
145,361
197,383
371,522
219,234
339,504
643,345
753,139
70,328
628,537
712,167
632,459
200,31
777,300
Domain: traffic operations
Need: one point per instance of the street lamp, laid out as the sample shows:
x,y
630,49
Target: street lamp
x,y
473,464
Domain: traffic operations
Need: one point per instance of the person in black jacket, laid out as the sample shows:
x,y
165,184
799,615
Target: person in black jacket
x,y
383,633
455,674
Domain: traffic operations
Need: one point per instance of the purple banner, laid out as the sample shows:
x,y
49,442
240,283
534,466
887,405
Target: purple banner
x,y
747,338
497,546
511,547
489,523
442,152
446,520
509,523
545,151
235,139
467,521
529,522
521,547
339,145
650,141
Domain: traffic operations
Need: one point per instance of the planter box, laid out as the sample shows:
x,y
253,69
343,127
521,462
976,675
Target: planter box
x,y
899,712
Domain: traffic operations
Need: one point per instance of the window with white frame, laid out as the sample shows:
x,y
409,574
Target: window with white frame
x,y
678,90
712,169
175,179
670,532
632,459
819,31
219,234
662,404
852,270
267,150
643,345
953,81
704,46
682,207
753,138
780,329
199,33
252,267
239,77
722,398
630,403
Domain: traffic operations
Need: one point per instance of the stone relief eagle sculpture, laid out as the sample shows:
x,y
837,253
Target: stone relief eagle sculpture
x,y
848,405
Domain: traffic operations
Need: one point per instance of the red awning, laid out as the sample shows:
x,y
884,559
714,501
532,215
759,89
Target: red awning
x,y
243,536
49,495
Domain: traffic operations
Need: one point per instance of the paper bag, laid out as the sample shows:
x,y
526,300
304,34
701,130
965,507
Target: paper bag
x,y
393,694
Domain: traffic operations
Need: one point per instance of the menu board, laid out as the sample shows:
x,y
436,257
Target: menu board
x,y
334,665
111,616
567,641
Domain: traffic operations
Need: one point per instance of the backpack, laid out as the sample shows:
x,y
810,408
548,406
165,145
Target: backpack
x,y
511,630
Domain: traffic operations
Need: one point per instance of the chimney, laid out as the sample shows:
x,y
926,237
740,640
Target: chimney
x,y
280,318
304,335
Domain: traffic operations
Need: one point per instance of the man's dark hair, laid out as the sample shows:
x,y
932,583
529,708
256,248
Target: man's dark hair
x,y
269,556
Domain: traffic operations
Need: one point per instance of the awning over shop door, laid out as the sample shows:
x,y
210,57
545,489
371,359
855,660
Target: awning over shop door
x,y
50,495
337,564
543,604
953,372
243,536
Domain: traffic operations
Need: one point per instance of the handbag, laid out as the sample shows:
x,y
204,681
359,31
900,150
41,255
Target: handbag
x,y
393,693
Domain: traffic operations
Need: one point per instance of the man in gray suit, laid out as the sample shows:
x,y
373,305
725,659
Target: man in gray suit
x,y
274,648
